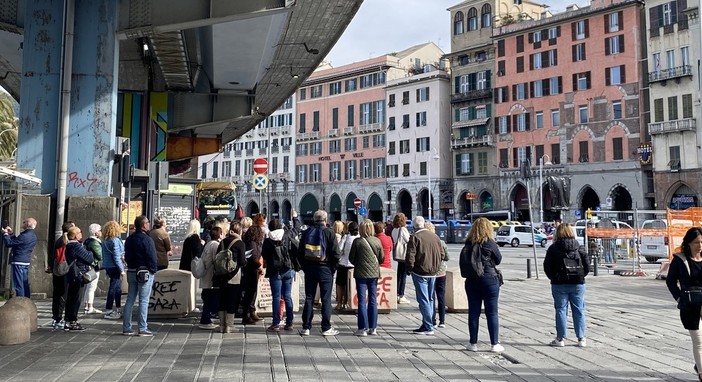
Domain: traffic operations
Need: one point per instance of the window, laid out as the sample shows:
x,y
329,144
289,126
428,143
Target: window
x,y
391,148
503,124
335,88
482,163
392,171
535,61
203,174
579,52
480,56
667,14
670,57
472,19
315,148
315,170
286,163
521,156
350,85
366,141
379,140
685,56
687,105
674,157
616,110
350,144
458,23
481,112
521,122
672,108
301,173
539,152
582,112
366,169
553,33
373,79
613,20
656,61
556,153
405,121
301,149
316,91
391,123
379,168
315,121
464,164
520,64
422,144
581,81
504,160
617,149
405,98
482,80
405,169
303,94
421,118
404,146
237,168
520,43
501,95
554,86
614,45
520,92
423,94
334,171
658,110
584,152
537,88
371,112
500,48
580,29
539,120
552,57
349,169
615,75
335,146
486,16
303,121
391,101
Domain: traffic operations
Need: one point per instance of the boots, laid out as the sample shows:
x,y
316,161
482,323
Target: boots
x,y
230,323
224,321
255,316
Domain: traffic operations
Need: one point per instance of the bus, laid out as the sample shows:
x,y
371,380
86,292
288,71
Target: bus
x,y
497,216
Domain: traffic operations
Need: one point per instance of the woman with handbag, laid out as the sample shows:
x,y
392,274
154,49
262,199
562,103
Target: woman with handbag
x,y
366,255
94,245
684,281
342,269
566,265
477,261
400,237
192,246
80,261
253,269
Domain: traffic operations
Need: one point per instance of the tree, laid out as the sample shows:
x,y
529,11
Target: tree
x,y
9,125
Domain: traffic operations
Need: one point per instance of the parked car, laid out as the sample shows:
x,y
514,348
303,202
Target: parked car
x,y
654,247
542,238
515,235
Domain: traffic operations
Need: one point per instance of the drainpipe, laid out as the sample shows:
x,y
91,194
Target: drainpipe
x,y
65,117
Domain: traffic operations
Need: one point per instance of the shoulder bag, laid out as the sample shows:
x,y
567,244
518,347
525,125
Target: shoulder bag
x,y
692,295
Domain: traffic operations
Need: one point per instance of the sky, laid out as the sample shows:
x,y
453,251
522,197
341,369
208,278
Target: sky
x,y
385,26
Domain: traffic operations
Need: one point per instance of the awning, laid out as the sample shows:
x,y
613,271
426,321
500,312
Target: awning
x,y
375,203
472,122
335,203
308,204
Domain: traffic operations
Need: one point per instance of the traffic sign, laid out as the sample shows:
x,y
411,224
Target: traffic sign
x,y
260,165
259,181
357,202
577,214
470,196
363,211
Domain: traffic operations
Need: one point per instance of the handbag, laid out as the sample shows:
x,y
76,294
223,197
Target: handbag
x,y
692,295
88,276
143,275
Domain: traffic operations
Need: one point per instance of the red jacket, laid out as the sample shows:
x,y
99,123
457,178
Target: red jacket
x,y
386,242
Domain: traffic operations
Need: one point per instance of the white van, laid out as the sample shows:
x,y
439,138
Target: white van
x,y
515,235
654,247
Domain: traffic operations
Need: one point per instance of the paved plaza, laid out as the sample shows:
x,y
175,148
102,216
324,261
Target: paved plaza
x,y
634,334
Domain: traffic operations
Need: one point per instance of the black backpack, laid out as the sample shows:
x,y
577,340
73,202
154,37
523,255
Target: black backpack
x,y
281,257
572,266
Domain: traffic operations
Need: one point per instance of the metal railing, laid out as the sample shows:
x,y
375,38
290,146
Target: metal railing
x,y
666,74
688,124
485,140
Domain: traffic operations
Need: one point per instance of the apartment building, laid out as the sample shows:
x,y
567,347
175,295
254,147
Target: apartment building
x,y
273,139
568,105
674,84
341,140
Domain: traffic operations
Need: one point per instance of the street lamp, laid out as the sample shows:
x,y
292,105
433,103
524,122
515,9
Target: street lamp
x,y
429,198
541,185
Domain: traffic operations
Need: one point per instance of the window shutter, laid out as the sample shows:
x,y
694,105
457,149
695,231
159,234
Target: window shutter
x,y
509,124
620,16
588,80
560,84
544,60
527,121
546,85
607,42
500,48
575,82
515,157
531,38
456,115
488,110
587,28
606,23
488,75
608,79
531,89
496,96
457,85
574,52
514,92
653,17
515,125
584,51
544,34
621,43
572,31
558,31
673,12
531,62
472,81
622,70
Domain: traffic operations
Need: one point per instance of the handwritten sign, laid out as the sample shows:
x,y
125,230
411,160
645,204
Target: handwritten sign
x,y
264,298
172,293
386,293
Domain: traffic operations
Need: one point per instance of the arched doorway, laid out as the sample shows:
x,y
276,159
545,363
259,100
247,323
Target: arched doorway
x,y
465,206
520,201
683,198
485,202
285,213
308,205
404,203
275,210
423,197
334,208
350,208
251,209
589,199
375,208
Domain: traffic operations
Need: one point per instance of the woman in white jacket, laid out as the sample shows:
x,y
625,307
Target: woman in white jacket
x,y
342,270
400,237
210,294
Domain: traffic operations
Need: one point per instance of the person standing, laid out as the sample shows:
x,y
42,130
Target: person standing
x,y
210,292
81,260
684,273
566,265
230,284
281,264
253,238
319,271
477,262
162,242
423,261
440,284
94,245
22,246
366,255
400,237
140,255
58,296
113,262
386,242
342,270
192,246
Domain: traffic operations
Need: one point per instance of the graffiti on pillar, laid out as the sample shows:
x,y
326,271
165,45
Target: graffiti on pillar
x,y
78,181
164,295
382,293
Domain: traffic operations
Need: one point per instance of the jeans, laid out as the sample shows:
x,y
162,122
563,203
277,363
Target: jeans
x,y
367,310
281,284
20,280
424,286
322,276
485,289
144,293
114,290
58,298
210,304
440,289
74,295
575,295
401,278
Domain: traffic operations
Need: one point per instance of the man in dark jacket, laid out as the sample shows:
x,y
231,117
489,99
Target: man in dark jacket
x,y
319,273
22,246
140,255
424,256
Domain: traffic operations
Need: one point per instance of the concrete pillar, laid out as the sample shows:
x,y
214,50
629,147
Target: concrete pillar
x,y
26,304
14,325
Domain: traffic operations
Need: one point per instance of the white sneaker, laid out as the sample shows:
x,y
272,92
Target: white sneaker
x,y
497,348
359,333
209,326
403,300
330,332
372,332
304,332
472,347
582,342
114,315
557,343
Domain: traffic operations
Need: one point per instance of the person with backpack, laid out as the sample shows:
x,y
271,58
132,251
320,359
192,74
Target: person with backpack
x,y
366,255
94,245
477,262
280,271
113,262
318,254
81,261
205,264
55,261
230,259
253,238
566,265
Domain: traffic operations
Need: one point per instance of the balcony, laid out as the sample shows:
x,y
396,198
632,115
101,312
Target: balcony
x,y
471,95
249,152
275,149
286,149
308,136
285,130
262,132
286,176
275,130
484,140
373,127
667,74
689,124
348,130
249,134
262,151
237,154
334,132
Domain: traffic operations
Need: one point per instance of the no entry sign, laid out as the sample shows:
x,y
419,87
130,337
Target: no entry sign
x,y
357,202
260,165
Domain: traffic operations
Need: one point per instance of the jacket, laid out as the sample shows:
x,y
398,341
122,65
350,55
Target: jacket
x,y
332,250
239,254
162,243
444,266
208,256
83,260
553,262
366,255
678,280
140,251
490,256
22,246
345,249
386,243
51,255
113,254
192,248
94,245
424,253
400,238
270,243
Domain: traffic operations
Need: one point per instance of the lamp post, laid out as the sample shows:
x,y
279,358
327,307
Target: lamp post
x,y
541,185
429,198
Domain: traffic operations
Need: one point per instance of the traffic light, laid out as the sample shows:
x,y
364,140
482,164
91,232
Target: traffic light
x,y
588,214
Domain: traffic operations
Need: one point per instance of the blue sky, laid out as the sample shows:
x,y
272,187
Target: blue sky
x,y
384,26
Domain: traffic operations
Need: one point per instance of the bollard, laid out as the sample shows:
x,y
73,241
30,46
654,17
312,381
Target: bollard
x,y
594,266
528,268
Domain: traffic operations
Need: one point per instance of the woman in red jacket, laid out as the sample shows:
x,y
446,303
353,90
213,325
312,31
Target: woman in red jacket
x,y
385,242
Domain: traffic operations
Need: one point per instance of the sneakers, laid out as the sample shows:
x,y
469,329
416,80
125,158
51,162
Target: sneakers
x,y
73,327
472,347
360,333
330,332
304,332
113,315
402,300
288,327
441,326
497,348
273,328
423,330
57,324
91,310
145,333
557,343
582,342
372,332
209,326
128,333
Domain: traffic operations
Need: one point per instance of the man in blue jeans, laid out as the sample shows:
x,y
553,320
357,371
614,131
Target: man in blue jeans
x,y
22,246
139,253
319,273
424,256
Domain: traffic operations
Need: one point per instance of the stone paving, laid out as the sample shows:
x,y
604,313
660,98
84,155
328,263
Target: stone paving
x,y
634,334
